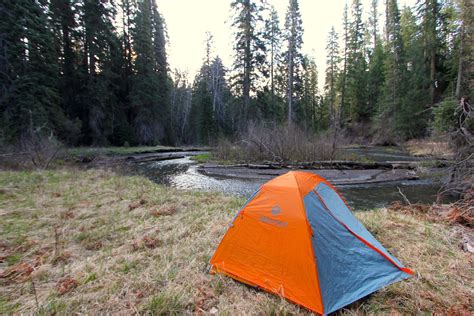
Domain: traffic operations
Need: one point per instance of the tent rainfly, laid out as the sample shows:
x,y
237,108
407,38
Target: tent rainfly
x,y
296,237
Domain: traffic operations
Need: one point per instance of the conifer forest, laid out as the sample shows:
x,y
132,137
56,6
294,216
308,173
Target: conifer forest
x,y
92,72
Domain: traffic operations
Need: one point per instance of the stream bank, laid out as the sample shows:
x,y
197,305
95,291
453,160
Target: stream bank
x,y
361,194
371,177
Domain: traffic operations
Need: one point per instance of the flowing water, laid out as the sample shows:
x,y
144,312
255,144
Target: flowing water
x,y
183,174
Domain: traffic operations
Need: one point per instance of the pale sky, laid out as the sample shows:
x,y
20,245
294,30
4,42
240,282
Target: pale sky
x,y
188,20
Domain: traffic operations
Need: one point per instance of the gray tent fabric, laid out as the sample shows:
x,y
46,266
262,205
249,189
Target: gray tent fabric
x,y
347,268
340,210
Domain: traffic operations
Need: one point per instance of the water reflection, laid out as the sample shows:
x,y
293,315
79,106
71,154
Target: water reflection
x,y
183,174
379,154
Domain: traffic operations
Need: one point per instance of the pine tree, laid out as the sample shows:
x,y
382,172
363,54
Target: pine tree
x,y
249,54
144,96
128,10
99,72
220,92
123,120
373,22
356,94
213,73
332,71
429,11
208,42
181,98
203,124
312,113
413,119
163,80
375,80
272,36
394,88
293,56
29,74
344,108
465,60
64,26
376,64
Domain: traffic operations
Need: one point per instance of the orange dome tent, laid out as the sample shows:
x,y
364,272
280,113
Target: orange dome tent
x,y
297,238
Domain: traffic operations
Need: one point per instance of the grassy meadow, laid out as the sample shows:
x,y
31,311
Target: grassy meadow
x,y
75,241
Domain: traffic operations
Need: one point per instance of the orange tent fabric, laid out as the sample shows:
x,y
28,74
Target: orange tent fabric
x,y
271,243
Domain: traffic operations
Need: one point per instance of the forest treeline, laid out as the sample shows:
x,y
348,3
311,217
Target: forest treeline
x,y
96,72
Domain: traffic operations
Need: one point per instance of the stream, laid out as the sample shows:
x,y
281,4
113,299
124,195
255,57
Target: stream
x,y
184,173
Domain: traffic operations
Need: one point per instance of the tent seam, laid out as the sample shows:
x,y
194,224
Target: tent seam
x,y
365,242
310,235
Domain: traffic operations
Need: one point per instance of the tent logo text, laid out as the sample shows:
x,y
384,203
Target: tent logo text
x,y
272,221
276,210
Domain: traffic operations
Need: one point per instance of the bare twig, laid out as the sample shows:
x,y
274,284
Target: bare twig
x,y
33,287
404,196
464,160
56,242
14,154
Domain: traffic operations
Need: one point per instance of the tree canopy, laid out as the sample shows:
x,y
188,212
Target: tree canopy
x,y
97,73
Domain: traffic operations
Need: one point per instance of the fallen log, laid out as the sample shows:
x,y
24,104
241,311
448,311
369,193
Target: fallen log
x,y
153,158
344,164
166,150
335,164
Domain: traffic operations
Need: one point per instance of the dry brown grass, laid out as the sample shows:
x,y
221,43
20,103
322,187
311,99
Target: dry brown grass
x,y
72,243
433,148
460,212
281,143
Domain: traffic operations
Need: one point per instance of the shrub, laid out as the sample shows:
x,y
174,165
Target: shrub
x,y
36,150
281,143
445,116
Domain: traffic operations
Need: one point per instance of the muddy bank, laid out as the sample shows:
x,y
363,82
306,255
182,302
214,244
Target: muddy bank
x,y
185,174
340,172
336,176
105,160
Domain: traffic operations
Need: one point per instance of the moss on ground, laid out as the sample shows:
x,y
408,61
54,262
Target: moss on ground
x,y
98,242
209,158
202,158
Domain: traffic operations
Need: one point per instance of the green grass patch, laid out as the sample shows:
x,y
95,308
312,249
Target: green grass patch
x,y
432,163
202,158
6,307
53,307
209,158
13,259
128,266
165,303
91,277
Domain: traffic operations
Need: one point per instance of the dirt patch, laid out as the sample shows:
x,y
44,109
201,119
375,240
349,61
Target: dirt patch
x,y
146,242
137,204
164,210
19,272
335,176
66,285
